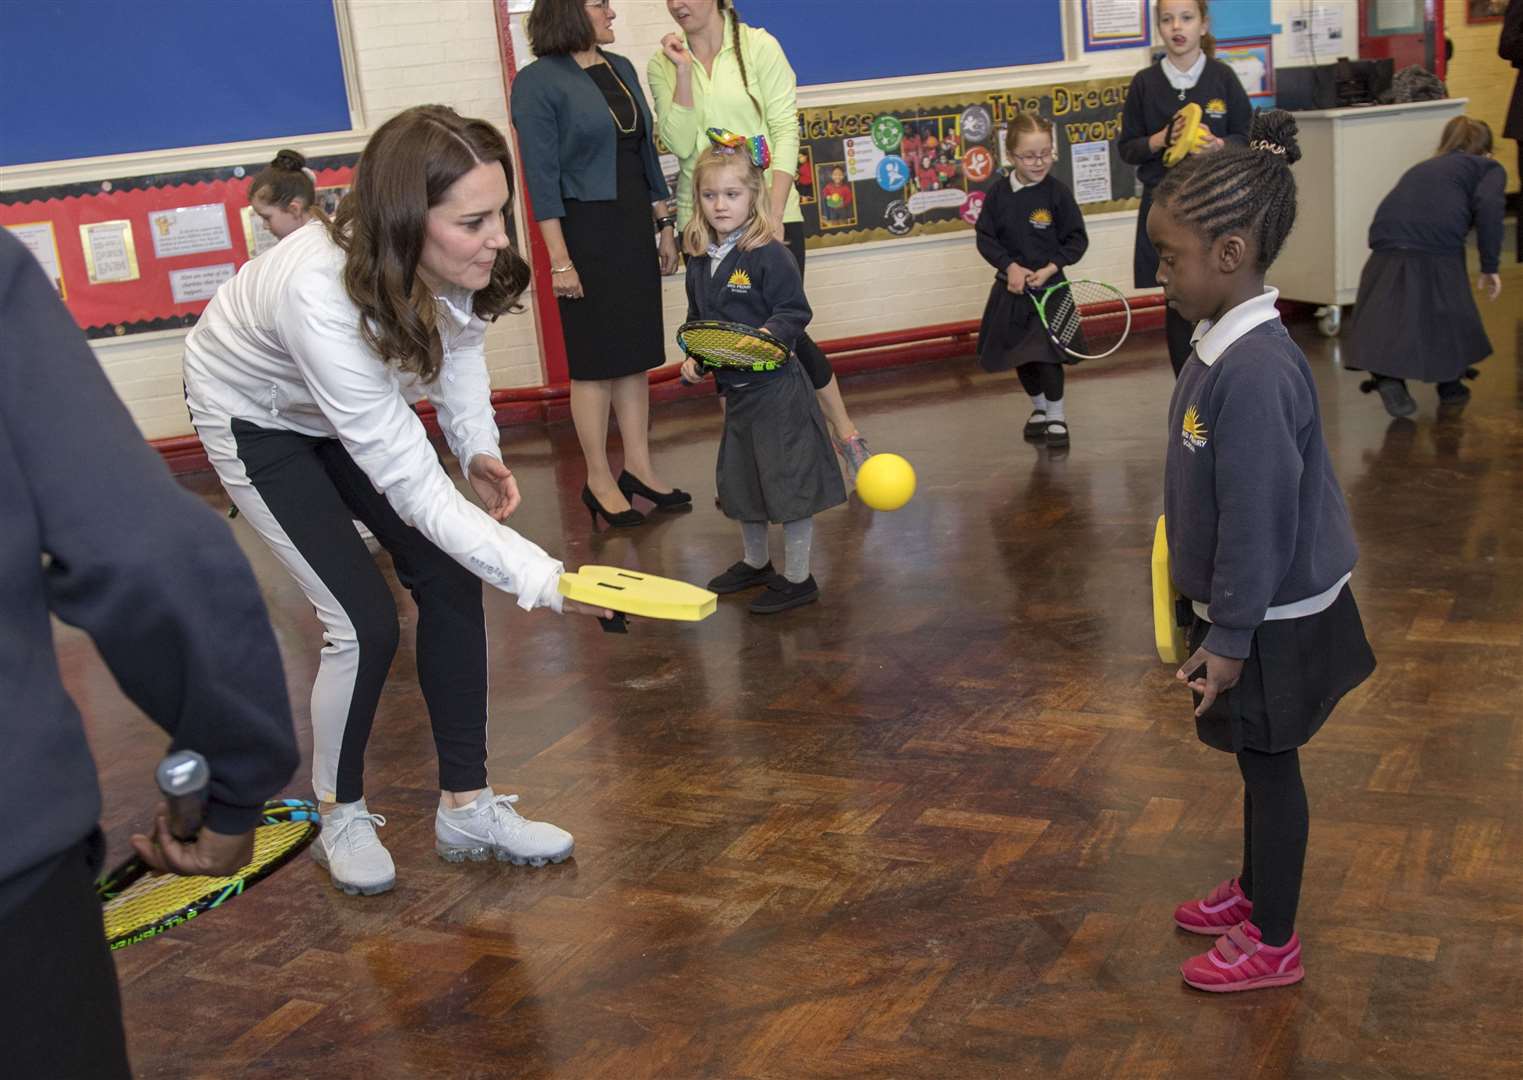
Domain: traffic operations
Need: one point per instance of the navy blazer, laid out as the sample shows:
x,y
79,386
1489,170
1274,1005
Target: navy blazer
x,y
566,136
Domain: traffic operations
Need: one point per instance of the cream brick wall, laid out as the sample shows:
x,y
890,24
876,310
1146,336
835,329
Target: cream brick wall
x,y
1478,73
409,52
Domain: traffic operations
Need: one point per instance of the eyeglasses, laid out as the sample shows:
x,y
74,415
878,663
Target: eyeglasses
x,y
1034,159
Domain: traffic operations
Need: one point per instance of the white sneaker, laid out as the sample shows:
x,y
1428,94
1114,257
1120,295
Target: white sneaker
x,y
490,826
351,851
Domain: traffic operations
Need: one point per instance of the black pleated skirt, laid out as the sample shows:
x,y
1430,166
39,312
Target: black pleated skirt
x,y
1011,332
775,459
1416,318
1296,671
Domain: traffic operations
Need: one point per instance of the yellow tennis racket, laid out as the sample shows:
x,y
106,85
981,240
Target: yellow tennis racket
x,y
1171,614
138,903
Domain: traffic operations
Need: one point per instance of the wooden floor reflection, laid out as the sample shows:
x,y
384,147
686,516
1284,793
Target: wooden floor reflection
x,y
932,826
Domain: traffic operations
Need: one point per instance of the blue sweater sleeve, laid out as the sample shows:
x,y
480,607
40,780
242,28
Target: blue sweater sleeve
x,y
782,292
1073,239
1487,208
137,562
1259,411
986,231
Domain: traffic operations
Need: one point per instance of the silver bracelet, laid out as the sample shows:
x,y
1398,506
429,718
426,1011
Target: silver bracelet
x,y
562,269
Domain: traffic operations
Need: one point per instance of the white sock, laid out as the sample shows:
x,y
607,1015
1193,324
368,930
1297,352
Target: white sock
x,y
1055,411
1039,403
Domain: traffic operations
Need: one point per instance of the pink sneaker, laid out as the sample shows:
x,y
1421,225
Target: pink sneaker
x,y
1239,960
1219,912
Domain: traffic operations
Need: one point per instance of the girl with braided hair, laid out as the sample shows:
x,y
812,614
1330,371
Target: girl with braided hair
x,y
720,73
1260,541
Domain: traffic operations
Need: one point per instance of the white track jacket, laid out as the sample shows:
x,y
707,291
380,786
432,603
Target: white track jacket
x,y
279,346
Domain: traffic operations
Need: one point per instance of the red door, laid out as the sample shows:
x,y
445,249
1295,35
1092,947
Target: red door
x,y
1408,31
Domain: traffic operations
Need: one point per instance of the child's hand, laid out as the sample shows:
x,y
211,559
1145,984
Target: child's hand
x,y
691,372
1041,277
676,50
1221,674
1015,278
1165,136
1491,284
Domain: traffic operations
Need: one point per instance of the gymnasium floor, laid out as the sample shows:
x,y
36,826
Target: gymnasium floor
x,y
933,826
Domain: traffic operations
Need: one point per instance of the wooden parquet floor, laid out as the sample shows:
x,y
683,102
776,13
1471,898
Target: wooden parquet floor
x,y
932,826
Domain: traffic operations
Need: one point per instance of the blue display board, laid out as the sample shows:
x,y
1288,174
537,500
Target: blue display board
x,y
85,77
829,41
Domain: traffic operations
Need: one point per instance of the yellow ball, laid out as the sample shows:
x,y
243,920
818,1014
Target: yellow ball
x,y
886,481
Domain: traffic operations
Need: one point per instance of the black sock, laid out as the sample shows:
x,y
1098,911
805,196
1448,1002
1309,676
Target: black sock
x,y
1277,830
1245,876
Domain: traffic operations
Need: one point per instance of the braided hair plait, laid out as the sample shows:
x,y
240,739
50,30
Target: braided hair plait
x,y
1249,190
740,57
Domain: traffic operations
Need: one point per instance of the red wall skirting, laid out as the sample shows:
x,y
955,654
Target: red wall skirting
x,y
849,356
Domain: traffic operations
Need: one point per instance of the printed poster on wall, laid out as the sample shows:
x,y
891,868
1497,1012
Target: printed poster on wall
x,y
883,169
190,230
38,238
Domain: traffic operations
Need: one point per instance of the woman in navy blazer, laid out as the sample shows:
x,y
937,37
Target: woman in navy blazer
x,y
586,142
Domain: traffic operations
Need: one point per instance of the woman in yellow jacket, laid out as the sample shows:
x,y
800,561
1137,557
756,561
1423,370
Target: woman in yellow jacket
x,y
719,72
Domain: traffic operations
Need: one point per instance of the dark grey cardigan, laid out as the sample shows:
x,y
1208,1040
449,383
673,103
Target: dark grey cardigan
x,y
567,138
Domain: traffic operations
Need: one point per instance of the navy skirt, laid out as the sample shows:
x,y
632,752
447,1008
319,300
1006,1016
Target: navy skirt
x,y
1296,671
1416,318
775,459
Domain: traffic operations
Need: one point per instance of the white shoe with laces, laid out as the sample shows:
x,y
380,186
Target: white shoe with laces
x,y
490,827
352,852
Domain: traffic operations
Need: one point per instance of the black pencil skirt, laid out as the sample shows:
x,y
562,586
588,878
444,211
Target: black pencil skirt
x,y
1296,671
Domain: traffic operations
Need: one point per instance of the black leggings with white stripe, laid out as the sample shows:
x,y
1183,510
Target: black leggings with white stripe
x,y
302,494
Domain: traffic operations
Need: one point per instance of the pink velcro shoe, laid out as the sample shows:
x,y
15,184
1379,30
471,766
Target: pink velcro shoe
x,y
1239,960
1224,908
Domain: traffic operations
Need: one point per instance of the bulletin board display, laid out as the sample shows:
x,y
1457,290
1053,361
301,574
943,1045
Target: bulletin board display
x,y
885,169
134,254
829,41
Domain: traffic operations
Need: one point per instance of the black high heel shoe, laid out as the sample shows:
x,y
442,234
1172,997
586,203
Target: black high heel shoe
x,y
630,486
622,520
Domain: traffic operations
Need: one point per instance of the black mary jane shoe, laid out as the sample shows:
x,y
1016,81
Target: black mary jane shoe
x,y
1057,435
1036,426
741,576
1453,393
623,520
630,486
783,594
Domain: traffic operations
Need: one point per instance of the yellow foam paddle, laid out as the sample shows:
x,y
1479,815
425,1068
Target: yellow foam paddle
x,y
1168,633
630,592
1192,134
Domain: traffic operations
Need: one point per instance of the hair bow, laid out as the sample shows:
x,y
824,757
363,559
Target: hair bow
x,y
755,146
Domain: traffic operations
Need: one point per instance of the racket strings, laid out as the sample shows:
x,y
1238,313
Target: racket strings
x,y
1091,319
156,896
719,347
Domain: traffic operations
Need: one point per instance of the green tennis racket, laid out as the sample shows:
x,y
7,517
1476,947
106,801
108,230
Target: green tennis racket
x,y
735,346
138,903
1085,319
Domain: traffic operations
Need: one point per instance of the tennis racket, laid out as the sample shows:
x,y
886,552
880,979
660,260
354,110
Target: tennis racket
x,y
731,345
1085,319
138,903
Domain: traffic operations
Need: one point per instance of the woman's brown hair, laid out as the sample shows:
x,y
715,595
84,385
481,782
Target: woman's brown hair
x,y
283,181
1465,135
557,27
407,167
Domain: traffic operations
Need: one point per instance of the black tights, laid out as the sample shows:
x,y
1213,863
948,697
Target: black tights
x,y
1043,379
1179,330
1275,823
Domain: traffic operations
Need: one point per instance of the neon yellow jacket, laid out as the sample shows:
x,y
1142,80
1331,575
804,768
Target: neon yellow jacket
x,y
720,100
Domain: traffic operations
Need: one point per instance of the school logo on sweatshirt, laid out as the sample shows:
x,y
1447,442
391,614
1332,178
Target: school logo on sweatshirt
x,y
1194,431
1216,108
740,282
1041,218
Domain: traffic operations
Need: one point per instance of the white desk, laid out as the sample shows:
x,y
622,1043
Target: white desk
x,y
1350,160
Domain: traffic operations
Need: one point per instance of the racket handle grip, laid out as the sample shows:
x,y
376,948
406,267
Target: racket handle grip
x,y
183,778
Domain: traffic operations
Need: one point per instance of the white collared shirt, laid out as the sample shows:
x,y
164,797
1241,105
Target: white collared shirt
x,y
1017,184
1212,338
718,251
1183,80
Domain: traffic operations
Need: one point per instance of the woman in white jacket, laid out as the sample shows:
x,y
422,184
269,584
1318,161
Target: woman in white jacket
x,y
300,378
